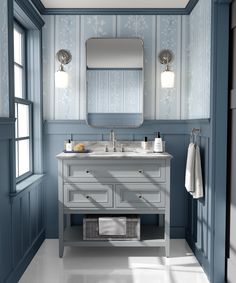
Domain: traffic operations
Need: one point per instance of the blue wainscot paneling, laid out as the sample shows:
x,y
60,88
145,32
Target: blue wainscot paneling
x,y
27,224
22,228
175,133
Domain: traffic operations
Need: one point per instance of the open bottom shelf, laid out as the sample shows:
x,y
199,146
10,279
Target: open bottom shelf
x,y
151,236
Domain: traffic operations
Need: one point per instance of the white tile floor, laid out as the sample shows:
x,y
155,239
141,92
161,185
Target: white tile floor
x,y
114,265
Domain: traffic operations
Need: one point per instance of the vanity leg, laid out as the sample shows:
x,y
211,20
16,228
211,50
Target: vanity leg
x,y
61,224
61,230
167,248
61,249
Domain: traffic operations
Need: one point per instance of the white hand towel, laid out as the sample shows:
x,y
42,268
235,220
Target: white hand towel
x,y
190,169
198,192
112,226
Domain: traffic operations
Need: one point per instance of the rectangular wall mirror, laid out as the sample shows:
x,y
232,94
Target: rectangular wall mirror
x,y
114,71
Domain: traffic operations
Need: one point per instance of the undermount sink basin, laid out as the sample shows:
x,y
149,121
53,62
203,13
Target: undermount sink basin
x,y
111,153
120,154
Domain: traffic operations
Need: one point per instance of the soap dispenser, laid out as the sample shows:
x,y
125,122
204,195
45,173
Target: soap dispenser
x,y
158,144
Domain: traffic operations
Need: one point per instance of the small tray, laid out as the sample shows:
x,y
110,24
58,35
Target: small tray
x,y
75,151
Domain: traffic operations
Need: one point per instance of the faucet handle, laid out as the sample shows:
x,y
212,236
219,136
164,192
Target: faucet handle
x,y
106,148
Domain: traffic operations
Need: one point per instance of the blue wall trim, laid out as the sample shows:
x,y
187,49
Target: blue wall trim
x,y
114,11
219,110
29,10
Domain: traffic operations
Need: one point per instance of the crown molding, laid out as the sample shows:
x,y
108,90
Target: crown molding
x,y
30,11
114,11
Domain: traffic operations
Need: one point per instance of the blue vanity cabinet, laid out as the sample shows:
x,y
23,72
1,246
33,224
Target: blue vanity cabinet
x,y
137,184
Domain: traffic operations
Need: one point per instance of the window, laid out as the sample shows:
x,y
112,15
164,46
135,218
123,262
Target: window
x,y
23,107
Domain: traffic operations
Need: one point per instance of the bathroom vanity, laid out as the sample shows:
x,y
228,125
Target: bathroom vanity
x,y
114,183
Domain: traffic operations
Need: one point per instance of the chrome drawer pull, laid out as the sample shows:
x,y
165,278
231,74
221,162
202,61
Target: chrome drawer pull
x,y
140,171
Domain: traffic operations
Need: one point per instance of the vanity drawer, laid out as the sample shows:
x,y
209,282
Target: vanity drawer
x,y
79,195
140,195
119,171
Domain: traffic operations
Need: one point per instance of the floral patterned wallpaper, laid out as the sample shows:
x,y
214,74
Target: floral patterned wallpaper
x,y
4,87
187,36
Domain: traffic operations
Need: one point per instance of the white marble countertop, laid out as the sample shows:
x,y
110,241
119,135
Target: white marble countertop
x,y
114,155
132,150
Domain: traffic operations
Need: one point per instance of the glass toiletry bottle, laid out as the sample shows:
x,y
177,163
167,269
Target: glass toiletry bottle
x,y
69,145
144,144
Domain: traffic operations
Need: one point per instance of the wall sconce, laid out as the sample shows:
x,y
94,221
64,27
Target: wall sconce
x,y
167,76
61,76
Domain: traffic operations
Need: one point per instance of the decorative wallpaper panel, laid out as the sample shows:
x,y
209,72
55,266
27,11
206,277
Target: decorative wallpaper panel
x,y
168,37
4,84
143,27
189,37
199,61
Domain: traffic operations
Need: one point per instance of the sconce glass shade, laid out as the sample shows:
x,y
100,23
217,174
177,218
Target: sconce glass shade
x,y
167,79
61,76
61,79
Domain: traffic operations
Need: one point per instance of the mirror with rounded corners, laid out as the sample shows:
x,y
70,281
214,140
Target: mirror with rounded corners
x,y
114,72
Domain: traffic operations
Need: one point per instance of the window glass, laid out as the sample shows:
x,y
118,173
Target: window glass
x,y
17,165
24,161
18,38
18,75
23,120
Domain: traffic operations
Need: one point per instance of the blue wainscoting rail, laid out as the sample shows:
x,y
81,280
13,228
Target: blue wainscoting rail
x,y
115,11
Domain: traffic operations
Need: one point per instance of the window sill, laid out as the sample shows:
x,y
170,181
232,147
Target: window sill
x,y
25,184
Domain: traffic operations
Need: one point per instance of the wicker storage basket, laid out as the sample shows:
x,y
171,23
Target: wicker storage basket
x,y
91,228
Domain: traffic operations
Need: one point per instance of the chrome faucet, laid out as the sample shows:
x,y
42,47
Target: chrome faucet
x,y
113,140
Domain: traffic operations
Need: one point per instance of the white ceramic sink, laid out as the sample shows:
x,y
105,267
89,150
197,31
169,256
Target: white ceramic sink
x,y
111,153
